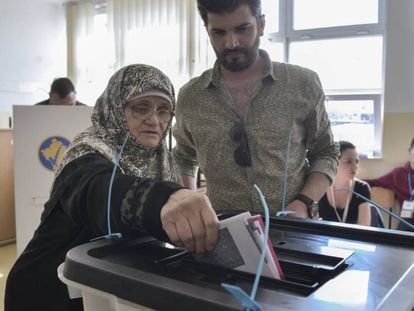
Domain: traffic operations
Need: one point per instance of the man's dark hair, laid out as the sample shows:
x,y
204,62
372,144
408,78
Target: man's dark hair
x,y
412,144
226,6
344,145
62,86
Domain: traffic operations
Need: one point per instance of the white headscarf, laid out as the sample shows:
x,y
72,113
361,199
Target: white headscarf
x,y
109,126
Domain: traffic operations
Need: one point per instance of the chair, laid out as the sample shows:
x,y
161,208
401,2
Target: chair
x,y
385,198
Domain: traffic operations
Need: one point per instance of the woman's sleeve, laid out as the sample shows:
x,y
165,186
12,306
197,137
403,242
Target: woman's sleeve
x,y
365,190
136,203
385,181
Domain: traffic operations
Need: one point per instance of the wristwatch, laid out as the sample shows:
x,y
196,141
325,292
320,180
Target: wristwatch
x,y
311,205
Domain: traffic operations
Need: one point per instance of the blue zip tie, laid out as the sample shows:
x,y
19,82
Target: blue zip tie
x,y
286,172
248,302
239,294
115,235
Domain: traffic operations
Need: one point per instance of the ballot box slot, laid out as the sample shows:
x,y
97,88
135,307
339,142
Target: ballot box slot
x,y
299,284
304,272
312,260
139,253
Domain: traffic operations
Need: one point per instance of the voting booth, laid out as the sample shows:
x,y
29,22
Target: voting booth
x,y
41,136
327,266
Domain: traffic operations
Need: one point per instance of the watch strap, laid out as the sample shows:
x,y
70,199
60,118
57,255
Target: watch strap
x,y
311,205
305,199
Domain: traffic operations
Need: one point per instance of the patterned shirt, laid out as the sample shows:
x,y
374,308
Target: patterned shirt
x,y
287,102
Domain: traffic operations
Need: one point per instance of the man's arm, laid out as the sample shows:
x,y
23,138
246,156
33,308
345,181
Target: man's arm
x,y
322,151
315,187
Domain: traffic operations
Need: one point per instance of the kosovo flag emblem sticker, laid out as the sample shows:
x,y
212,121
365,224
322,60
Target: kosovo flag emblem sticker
x,y
51,151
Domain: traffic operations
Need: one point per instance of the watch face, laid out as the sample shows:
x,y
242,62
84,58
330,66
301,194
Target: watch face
x,y
314,210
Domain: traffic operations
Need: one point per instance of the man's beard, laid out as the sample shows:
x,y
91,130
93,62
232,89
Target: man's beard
x,y
241,62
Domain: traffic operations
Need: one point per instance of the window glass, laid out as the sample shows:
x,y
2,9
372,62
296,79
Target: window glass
x,y
271,10
275,49
350,63
329,13
95,66
353,120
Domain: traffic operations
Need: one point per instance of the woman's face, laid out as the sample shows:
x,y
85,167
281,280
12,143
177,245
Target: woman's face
x,y
348,163
148,118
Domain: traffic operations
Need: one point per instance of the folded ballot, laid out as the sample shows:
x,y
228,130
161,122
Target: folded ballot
x,y
239,247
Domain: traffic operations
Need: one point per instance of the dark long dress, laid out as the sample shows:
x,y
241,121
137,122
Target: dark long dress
x,y
74,214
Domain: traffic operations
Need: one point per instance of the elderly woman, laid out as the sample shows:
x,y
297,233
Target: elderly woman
x,y
130,121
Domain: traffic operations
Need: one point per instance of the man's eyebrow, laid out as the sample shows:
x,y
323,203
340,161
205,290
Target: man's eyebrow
x,y
244,25
238,26
217,29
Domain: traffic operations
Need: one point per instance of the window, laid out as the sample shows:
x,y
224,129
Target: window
x,y
95,67
352,118
164,33
343,41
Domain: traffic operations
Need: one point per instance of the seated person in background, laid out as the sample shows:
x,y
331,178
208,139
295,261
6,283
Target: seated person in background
x,y
342,205
134,113
62,92
401,181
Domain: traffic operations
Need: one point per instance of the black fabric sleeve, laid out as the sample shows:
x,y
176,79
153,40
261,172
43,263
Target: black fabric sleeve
x,y
158,196
364,189
85,183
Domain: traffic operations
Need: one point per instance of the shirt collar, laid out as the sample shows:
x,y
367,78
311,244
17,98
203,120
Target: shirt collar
x,y
214,77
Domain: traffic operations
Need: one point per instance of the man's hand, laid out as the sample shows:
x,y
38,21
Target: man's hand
x,y
299,208
190,221
315,187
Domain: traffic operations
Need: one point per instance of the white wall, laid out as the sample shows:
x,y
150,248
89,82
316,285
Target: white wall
x,y
398,125
33,50
399,78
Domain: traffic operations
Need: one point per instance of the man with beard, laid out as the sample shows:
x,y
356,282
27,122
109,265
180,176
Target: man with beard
x,y
252,121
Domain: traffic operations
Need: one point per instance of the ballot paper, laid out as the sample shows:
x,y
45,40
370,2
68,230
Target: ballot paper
x,y
239,247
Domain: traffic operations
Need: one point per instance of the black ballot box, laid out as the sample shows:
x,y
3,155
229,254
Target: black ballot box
x,y
327,266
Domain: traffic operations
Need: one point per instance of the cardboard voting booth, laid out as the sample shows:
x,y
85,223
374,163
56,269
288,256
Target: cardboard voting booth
x,y
41,136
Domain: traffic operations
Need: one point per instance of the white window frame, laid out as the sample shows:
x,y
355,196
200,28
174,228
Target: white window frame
x,y
376,99
287,35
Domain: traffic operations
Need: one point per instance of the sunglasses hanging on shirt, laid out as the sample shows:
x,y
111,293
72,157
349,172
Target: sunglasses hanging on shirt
x,y
242,153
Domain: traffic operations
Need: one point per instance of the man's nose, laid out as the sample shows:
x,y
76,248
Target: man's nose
x,y
232,40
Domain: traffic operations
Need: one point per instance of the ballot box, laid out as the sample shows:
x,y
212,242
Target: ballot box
x,y
327,266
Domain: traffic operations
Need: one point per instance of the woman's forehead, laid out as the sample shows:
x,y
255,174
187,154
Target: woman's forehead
x,y
154,94
349,153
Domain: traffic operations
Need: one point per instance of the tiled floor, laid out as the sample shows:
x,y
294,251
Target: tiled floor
x,y
7,259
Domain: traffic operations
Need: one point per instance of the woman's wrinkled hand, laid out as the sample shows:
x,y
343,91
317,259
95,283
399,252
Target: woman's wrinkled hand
x,y
190,221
